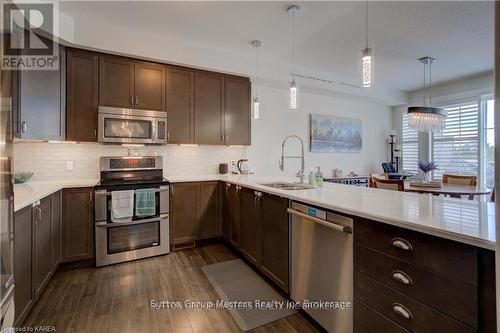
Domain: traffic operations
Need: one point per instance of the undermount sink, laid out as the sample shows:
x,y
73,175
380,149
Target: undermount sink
x,y
288,186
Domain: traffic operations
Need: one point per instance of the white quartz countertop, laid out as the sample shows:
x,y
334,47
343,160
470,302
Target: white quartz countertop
x,y
28,193
467,221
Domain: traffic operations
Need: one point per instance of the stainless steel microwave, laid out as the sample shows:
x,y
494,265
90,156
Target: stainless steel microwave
x,y
119,125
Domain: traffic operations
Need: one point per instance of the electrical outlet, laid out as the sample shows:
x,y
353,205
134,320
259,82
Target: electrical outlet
x,y
69,166
233,162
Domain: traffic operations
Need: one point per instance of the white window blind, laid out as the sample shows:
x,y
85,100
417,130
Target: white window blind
x,y
409,146
456,148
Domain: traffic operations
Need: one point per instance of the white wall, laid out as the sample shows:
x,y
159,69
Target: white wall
x,y
277,122
48,160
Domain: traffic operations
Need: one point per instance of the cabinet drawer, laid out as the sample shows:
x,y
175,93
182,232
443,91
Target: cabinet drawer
x,y
456,260
389,302
457,299
367,320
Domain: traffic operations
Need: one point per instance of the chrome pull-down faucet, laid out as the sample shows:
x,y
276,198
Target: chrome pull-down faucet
x,y
300,173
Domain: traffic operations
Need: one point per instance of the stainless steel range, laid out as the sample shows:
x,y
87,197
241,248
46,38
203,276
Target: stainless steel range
x,y
144,233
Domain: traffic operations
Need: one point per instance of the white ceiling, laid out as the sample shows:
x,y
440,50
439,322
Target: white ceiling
x,y
329,34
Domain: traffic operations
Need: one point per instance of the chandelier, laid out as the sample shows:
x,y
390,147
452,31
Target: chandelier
x,y
427,118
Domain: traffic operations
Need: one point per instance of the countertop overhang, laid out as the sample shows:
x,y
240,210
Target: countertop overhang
x,y
466,221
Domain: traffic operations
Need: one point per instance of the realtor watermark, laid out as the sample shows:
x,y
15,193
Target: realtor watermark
x,y
28,30
250,305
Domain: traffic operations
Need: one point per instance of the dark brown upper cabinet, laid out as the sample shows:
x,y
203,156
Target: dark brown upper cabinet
x,y
82,95
116,82
39,102
180,105
209,108
125,83
149,83
237,111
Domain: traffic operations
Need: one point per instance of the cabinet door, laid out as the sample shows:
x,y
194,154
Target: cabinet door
x,y
234,214
77,224
149,86
225,193
180,106
40,103
208,109
250,235
183,212
237,111
275,239
42,245
116,82
209,210
82,95
23,296
56,219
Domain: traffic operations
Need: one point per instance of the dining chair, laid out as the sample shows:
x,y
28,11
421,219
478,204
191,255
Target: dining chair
x,y
464,180
376,176
389,184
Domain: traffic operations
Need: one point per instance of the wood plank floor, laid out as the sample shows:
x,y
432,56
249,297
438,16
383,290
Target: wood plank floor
x,y
117,298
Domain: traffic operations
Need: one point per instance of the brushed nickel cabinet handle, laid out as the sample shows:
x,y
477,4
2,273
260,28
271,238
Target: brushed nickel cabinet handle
x,y
402,244
402,311
402,277
90,197
131,99
95,132
24,126
136,100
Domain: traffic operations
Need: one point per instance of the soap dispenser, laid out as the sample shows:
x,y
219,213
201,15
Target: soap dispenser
x,y
319,177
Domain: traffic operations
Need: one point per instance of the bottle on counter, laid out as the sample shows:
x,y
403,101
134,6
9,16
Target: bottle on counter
x,y
319,177
312,179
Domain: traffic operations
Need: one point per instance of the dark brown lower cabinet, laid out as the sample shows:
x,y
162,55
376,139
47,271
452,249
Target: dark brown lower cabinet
x,y
194,211
56,223
410,280
274,257
42,245
257,225
234,214
77,224
251,219
23,269
224,188
37,240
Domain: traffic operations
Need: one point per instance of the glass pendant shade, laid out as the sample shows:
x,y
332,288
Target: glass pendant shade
x,y
366,67
293,95
426,119
256,113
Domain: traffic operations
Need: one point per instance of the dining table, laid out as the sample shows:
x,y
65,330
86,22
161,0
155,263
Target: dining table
x,y
452,190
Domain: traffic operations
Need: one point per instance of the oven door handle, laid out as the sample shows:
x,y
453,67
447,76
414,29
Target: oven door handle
x,y
121,224
161,189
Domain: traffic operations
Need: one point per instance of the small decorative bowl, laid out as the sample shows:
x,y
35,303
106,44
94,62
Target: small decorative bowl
x,y
22,177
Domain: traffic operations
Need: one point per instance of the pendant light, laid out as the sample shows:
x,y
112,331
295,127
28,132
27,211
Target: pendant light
x,y
427,118
366,58
293,11
256,112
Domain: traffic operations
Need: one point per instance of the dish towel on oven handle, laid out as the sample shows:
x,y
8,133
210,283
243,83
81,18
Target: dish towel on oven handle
x,y
145,202
122,206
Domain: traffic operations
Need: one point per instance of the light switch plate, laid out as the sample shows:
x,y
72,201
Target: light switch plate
x,y
69,166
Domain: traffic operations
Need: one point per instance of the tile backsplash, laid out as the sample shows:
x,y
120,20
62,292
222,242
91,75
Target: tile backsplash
x,y
49,160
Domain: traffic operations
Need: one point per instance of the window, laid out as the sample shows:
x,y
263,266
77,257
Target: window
x,y
409,146
488,168
456,148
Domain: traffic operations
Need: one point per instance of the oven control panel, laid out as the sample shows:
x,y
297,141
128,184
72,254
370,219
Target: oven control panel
x,y
127,163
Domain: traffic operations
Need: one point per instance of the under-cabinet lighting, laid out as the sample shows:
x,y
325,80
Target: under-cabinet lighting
x,y
189,145
132,145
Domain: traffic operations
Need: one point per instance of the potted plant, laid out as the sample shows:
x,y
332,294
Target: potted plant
x,y
427,167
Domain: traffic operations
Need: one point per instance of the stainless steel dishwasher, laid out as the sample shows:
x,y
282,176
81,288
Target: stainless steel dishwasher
x,y
321,265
